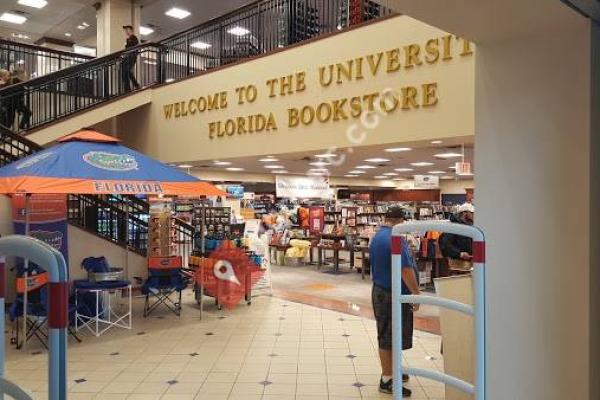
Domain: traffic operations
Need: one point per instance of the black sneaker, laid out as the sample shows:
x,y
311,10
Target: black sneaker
x,y
386,387
406,392
405,377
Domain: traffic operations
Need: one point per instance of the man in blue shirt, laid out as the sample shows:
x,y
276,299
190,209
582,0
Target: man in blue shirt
x,y
380,250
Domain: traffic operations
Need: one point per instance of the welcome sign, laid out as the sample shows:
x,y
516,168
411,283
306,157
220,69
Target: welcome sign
x,y
300,187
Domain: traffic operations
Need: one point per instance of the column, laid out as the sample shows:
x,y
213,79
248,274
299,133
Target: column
x,y
111,15
533,175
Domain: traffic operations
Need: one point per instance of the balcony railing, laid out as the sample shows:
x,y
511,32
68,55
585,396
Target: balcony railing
x,y
36,60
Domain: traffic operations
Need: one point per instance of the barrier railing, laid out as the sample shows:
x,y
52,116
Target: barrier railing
x,y
36,60
52,261
477,311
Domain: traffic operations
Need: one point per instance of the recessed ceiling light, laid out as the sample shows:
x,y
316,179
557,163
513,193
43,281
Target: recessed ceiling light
x,y
274,166
436,172
221,163
68,34
365,167
317,173
398,149
234,169
377,160
85,24
178,13
238,31
350,176
446,177
326,155
318,170
13,18
452,167
279,171
380,177
390,174
201,45
185,166
421,164
80,27
357,172
33,3
19,35
146,30
448,155
320,163
436,142
268,159
399,179
403,169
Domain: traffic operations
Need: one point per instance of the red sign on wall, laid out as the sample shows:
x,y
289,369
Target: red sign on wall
x,y
316,216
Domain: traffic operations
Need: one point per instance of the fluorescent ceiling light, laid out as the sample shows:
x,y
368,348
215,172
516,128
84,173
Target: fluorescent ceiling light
x,y
436,142
403,169
448,155
178,13
318,170
13,18
80,27
185,166
200,45
238,31
316,173
270,166
268,160
398,149
466,174
234,169
452,167
391,174
33,3
380,177
436,172
365,167
279,171
377,160
446,177
350,176
222,163
146,30
320,163
67,34
421,164
326,155
19,35
357,172
85,24
399,179
169,80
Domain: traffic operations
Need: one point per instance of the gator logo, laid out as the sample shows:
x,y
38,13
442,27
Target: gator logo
x,y
110,161
54,239
33,160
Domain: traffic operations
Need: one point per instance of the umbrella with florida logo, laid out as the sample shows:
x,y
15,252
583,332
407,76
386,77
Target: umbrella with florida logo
x,y
88,162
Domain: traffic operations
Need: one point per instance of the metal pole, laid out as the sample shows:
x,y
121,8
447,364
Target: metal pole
x,y
2,321
26,272
397,317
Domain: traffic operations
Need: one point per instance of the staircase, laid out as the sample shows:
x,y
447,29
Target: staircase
x,y
120,219
258,28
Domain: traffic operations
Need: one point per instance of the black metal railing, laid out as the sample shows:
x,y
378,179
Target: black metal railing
x,y
13,147
258,28
184,239
36,61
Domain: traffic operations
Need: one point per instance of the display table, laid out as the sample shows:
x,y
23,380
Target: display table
x,y
103,316
274,248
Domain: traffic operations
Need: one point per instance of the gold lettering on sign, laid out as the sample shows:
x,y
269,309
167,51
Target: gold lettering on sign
x,y
433,51
429,94
242,125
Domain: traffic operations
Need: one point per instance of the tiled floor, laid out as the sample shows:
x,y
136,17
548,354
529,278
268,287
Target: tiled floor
x,y
271,350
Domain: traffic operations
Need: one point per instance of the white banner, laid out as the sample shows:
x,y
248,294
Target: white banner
x,y
303,187
427,182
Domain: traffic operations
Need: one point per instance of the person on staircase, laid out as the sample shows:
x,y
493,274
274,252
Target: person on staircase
x,y
128,61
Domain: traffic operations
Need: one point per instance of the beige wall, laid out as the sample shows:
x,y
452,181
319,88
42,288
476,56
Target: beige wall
x,y
456,187
83,244
187,138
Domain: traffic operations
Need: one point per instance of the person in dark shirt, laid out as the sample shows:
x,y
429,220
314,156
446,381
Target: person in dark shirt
x,y
20,103
458,247
129,60
381,265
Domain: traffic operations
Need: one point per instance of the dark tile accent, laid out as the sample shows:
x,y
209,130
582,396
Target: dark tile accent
x,y
141,333
209,334
265,383
194,354
351,356
116,353
172,382
358,385
80,380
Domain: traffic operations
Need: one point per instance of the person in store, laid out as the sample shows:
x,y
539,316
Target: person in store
x,y
381,267
20,98
129,60
456,247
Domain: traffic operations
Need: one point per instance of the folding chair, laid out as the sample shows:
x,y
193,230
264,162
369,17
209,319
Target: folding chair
x,y
166,280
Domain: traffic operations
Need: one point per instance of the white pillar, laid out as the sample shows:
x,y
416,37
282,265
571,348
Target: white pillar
x,y
533,177
111,16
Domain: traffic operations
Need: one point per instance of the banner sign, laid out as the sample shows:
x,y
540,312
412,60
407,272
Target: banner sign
x,y
316,217
301,187
427,182
47,219
235,191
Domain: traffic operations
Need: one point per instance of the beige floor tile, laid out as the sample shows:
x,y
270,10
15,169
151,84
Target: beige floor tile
x,y
287,389
137,396
247,388
216,388
221,377
311,389
110,396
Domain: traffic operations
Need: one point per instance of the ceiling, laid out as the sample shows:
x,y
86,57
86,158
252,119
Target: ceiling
x,y
63,16
346,160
